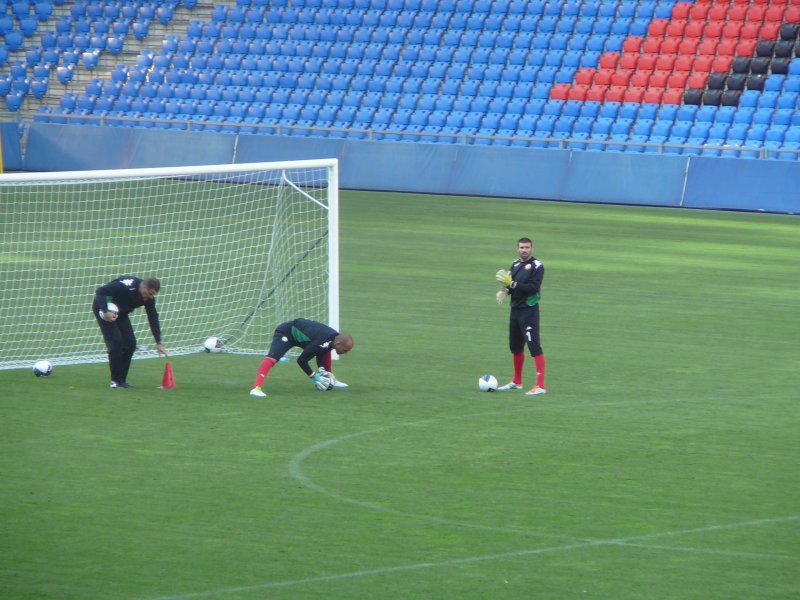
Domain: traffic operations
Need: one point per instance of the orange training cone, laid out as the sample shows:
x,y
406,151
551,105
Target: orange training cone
x,y
168,382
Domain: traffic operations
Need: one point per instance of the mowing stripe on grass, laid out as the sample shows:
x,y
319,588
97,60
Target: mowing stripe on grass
x,y
296,472
629,541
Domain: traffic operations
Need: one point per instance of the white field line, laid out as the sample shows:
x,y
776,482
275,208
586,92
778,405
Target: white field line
x,y
628,541
573,543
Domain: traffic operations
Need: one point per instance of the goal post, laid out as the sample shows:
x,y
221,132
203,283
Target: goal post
x,y
238,248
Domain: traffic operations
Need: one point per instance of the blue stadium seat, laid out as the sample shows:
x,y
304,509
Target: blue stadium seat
x,y
610,110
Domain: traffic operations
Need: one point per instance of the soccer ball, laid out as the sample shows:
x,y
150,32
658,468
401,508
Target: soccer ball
x,y
111,308
487,383
212,344
42,368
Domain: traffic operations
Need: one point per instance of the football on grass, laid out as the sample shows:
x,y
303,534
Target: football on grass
x,y
42,368
213,344
111,308
487,383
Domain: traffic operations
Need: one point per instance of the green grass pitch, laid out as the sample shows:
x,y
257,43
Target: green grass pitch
x,y
663,463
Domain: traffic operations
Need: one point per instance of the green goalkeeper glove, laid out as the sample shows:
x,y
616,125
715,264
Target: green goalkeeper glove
x,y
501,295
504,277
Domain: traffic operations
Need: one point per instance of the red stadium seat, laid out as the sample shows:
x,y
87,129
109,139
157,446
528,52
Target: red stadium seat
x,y
683,63
640,79
578,92
746,48
651,45
597,93
678,79
669,45
750,31
621,77
732,30
756,14
653,95
647,62
726,47
560,91
737,12
702,63
722,64
665,62
615,93
628,60
584,76
672,96
694,29
633,94
657,27
688,45
681,10
707,47
676,27
659,79
699,12
632,43
718,12
609,60
774,13
603,77
769,31
697,81
713,29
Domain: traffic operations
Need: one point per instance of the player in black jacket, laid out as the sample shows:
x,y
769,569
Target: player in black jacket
x,y
128,293
523,282
317,340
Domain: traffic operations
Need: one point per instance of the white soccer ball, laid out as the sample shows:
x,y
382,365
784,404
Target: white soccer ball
x,y
111,308
212,344
487,383
42,368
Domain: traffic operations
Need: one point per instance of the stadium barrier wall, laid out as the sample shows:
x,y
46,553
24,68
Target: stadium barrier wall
x,y
553,174
10,143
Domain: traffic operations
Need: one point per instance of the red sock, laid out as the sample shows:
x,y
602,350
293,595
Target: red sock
x,y
327,360
538,360
263,370
519,362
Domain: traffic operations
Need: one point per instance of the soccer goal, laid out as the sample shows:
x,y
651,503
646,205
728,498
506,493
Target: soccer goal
x,y
238,248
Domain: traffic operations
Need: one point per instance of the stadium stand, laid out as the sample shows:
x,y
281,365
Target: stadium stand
x,y
595,75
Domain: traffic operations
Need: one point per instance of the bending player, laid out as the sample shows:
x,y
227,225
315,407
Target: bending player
x,y
128,293
317,341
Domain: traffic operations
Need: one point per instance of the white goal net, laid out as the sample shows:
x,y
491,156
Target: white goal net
x,y
238,249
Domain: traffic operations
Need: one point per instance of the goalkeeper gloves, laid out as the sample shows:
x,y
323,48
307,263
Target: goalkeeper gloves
x,y
501,295
322,381
504,277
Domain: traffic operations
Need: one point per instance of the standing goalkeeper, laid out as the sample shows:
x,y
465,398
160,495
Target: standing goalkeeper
x,y
128,293
317,341
523,282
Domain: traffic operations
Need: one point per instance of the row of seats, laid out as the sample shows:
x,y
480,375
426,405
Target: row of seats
x,y
711,140
439,112
508,69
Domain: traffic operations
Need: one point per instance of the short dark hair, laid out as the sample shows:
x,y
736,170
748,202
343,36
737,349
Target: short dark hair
x,y
524,240
152,283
